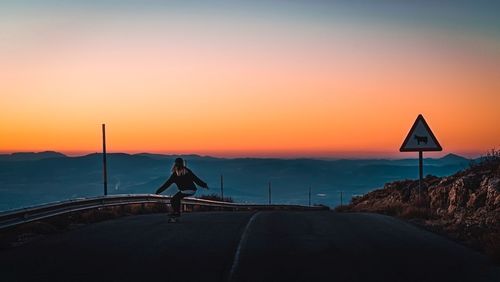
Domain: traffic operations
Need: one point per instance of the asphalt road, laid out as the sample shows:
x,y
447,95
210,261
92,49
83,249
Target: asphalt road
x,y
244,246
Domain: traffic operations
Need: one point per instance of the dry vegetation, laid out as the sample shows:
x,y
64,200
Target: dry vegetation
x,y
464,206
27,232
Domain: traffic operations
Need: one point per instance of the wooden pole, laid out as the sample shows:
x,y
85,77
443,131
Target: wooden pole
x,y
222,186
104,163
269,192
309,195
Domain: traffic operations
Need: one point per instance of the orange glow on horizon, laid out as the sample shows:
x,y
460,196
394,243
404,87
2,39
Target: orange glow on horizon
x,y
256,91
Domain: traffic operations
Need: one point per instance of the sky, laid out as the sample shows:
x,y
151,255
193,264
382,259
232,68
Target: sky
x,y
248,78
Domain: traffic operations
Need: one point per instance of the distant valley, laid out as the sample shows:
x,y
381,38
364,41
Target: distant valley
x,y
28,179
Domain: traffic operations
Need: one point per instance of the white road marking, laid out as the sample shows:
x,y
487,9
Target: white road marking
x,y
243,240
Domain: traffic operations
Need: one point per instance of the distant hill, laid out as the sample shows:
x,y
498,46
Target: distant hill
x,y
185,157
30,156
50,176
452,159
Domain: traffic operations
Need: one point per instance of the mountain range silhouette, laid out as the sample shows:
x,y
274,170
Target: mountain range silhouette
x,y
32,178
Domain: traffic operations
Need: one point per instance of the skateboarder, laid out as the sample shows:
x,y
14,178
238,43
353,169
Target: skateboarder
x,y
185,180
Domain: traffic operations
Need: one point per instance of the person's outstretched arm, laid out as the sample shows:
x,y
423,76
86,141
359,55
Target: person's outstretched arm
x,y
198,181
166,184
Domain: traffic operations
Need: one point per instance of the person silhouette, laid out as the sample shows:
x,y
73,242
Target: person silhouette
x,y
185,180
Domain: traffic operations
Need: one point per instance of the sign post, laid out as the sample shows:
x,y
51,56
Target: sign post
x,y
419,139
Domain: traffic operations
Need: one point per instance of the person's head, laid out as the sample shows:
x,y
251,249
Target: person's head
x,y
179,168
179,162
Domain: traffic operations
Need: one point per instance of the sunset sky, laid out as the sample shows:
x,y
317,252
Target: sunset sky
x,y
260,78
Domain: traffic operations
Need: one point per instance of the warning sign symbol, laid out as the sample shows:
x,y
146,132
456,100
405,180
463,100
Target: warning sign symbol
x,y
420,138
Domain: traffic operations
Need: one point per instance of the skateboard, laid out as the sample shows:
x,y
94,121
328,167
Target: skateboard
x,y
173,219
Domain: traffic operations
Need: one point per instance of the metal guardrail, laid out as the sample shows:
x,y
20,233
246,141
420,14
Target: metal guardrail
x,y
31,214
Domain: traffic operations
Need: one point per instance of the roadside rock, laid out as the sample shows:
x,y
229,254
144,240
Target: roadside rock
x,y
465,206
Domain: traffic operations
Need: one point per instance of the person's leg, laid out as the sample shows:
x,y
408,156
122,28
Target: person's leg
x,y
185,193
176,203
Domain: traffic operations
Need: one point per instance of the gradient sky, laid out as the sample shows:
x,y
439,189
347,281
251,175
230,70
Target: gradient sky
x,y
255,78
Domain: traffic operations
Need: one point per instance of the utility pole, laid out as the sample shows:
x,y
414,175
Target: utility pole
x,y
340,198
269,192
222,186
309,195
104,164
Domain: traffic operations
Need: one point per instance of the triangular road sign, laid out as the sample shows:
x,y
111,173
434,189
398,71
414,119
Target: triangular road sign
x,y
420,138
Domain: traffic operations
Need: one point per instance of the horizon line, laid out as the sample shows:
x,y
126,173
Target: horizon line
x,y
267,155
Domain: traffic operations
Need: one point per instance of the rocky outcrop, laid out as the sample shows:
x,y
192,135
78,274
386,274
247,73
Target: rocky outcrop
x,y
465,206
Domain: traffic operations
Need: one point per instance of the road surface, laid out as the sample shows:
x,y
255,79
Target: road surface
x,y
247,246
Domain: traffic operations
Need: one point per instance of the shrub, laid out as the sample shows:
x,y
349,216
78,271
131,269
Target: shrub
x,y
492,157
343,208
491,245
393,209
413,212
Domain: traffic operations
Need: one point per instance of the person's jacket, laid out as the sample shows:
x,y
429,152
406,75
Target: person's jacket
x,y
184,182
